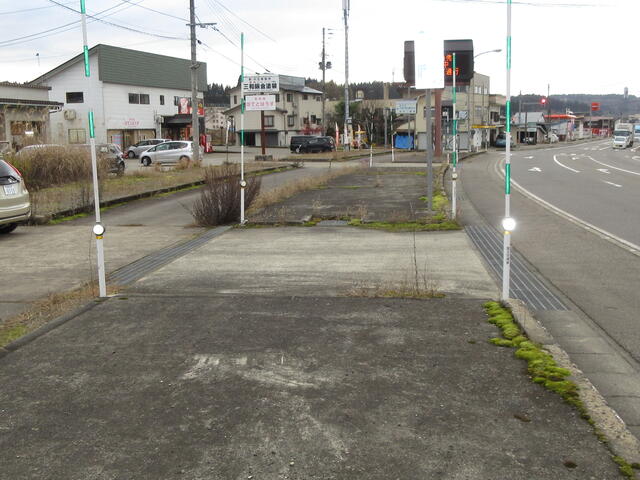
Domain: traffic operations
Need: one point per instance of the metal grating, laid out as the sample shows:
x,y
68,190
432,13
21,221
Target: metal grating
x,y
138,269
524,285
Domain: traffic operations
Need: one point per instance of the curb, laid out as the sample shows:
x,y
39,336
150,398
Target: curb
x,y
47,327
129,198
619,439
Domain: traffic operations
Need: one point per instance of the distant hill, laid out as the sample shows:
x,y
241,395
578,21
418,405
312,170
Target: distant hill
x,y
580,103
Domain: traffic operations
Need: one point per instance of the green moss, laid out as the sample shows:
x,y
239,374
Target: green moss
x,y
501,342
10,334
625,468
406,226
68,218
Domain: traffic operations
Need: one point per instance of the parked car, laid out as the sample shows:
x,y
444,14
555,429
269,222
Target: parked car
x,y
311,143
135,150
169,152
501,141
110,152
15,203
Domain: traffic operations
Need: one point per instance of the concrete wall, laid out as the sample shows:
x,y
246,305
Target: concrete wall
x,y
24,93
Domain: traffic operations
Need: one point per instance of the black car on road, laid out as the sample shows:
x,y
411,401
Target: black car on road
x,y
311,144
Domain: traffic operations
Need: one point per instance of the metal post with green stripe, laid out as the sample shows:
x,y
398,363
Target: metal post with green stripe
x,y
242,181
454,153
98,228
508,223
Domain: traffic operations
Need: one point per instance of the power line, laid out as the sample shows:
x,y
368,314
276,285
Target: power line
x,y
61,28
11,12
117,25
236,45
155,11
244,21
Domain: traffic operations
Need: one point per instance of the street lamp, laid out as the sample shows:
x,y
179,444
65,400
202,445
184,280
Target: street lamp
x,y
497,50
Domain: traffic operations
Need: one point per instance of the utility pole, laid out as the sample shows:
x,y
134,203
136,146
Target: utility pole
x,y
324,66
195,124
345,9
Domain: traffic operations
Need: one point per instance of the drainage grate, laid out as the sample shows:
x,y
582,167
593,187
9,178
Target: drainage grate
x,y
333,223
138,269
524,285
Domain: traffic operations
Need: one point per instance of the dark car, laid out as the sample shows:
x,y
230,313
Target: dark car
x,y
501,141
110,152
311,144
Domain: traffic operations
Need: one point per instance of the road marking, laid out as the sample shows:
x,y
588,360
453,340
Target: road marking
x,y
631,247
535,169
614,184
605,148
555,159
528,158
615,168
635,157
604,170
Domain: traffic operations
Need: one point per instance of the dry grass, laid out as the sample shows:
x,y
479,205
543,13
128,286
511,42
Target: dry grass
x,y
46,310
405,289
69,197
290,189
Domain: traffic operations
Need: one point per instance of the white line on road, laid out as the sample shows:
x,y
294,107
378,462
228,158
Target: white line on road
x,y
615,168
614,184
555,159
535,169
604,170
631,247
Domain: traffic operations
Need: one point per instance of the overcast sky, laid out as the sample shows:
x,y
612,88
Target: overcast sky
x,y
576,46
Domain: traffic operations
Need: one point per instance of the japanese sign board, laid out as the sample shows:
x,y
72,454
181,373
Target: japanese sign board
x,y
260,102
406,107
595,106
464,61
184,106
261,84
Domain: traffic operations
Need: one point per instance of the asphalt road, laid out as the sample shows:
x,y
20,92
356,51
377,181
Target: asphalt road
x,y
592,182
598,275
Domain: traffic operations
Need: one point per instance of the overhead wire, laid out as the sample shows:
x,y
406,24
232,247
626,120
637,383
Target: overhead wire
x,y
142,32
244,21
63,28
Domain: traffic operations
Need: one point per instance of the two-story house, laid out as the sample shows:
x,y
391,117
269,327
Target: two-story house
x,y
134,95
298,112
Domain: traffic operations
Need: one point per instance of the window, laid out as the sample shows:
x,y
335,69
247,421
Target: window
x,y
144,98
134,98
75,97
176,101
277,97
313,119
318,98
268,120
77,135
306,97
235,100
289,97
290,121
161,99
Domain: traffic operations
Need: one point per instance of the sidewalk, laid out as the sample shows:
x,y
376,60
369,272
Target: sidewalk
x,y
254,357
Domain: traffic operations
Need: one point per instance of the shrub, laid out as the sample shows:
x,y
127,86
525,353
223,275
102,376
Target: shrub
x,y
219,202
56,165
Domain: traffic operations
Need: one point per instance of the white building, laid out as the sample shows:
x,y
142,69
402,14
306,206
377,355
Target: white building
x,y
298,112
134,95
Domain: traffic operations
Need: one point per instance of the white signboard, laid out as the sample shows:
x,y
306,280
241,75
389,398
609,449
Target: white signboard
x,y
260,102
429,61
406,107
268,83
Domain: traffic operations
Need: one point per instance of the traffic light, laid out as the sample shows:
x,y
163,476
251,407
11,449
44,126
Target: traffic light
x,y
543,101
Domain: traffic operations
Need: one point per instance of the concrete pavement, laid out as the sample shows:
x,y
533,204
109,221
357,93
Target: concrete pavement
x,y
253,357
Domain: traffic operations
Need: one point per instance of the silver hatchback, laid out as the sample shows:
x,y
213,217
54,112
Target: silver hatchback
x,y
169,152
15,204
135,150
